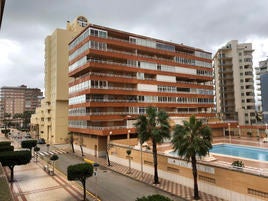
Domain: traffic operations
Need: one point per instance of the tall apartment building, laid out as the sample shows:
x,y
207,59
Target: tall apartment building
x,y
116,75
51,120
234,83
17,100
262,92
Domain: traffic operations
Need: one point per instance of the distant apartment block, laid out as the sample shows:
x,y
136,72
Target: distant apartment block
x,y
17,100
116,75
51,119
234,83
262,92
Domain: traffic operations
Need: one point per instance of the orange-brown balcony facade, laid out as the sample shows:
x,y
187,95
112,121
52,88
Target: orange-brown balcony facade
x,y
115,74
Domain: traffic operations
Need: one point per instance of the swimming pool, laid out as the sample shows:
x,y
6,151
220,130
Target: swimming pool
x,y
241,151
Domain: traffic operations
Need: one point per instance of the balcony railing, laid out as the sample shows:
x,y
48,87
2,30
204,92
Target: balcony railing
x,y
132,113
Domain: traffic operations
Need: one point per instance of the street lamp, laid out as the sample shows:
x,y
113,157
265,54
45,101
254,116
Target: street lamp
x,y
128,137
266,130
229,131
107,147
239,133
141,158
95,166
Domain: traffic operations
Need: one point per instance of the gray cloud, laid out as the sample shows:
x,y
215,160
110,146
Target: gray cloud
x,y
204,24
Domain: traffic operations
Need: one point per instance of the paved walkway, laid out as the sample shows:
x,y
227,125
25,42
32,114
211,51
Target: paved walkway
x,y
33,183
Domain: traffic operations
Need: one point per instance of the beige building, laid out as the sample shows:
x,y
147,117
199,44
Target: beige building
x,y
51,119
17,100
234,83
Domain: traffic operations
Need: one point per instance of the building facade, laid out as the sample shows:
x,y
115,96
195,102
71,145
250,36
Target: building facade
x,y
264,95
17,100
51,120
234,83
116,75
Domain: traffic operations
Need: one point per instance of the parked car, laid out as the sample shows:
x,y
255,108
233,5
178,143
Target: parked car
x,y
41,141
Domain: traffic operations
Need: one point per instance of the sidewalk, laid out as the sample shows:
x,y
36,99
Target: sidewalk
x,y
32,183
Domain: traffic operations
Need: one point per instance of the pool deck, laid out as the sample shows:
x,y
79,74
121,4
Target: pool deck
x,y
227,160
242,141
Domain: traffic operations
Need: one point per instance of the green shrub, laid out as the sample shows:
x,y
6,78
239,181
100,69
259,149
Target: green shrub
x,y
238,163
28,144
5,143
5,131
128,152
6,148
155,197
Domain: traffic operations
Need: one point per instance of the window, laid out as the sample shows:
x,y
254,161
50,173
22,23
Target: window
x,y
98,33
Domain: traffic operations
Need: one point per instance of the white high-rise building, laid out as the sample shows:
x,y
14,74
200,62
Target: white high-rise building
x,y
234,83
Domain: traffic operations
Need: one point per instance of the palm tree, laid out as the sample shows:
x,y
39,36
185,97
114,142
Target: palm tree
x,y
154,126
72,140
190,140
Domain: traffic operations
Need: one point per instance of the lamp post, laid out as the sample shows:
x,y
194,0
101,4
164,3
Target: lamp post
x,y
107,148
239,133
95,166
141,159
128,138
229,131
266,130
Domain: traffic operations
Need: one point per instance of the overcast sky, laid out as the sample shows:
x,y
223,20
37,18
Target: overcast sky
x,y
206,24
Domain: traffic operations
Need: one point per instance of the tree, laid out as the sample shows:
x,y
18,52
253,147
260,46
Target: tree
x,y
53,158
26,116
5,143
154,126
28,144
5,131
155,197
80,172
128,151
190,140
6,146
13,158
36,150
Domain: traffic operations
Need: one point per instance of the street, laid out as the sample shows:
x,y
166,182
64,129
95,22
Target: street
x,y
109,185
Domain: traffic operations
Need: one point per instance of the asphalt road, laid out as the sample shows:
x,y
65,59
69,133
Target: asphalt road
x,y
109,185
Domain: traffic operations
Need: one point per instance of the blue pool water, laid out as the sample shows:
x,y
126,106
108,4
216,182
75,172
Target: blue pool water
x,y
241,151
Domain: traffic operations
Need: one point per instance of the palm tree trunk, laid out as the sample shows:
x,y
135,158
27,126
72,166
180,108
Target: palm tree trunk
x,y
194,169
156,180
82,152
72,147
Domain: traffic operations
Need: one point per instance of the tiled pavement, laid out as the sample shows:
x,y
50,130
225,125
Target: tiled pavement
x,y
32,183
